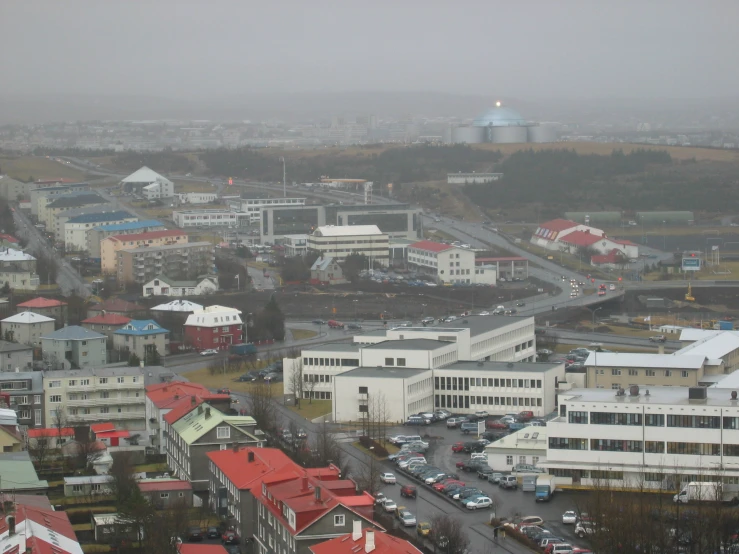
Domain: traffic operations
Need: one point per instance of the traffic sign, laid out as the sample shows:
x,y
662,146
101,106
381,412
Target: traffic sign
x,y
691,264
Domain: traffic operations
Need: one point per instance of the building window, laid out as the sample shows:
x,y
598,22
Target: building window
x,y
654,420
389,361
363,390
568,444
121,380
55,384
654,447
401,362
684,373
163,495
615,445
668,373
695,422
339,520
615,372
608,418
223,432
633,372
509,460
694,448
650,373
103,380
104,410
578,417
55,398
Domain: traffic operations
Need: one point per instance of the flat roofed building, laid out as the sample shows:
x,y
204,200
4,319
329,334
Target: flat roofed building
x,y
614,370
724,347
449,264
655,437
62,217
405,392
253,206
179,261
207,218
56,205
50,192
97,234
77,228
525,446
111,245
339,242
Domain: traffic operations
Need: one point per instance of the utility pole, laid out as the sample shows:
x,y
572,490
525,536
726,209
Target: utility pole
x,y
284,181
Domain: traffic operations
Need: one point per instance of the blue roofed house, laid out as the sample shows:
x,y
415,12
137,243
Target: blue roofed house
x,y
102,232
142,337
76,229
73,347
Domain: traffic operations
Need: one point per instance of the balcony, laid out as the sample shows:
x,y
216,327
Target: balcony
x,y
107,387
90,418
114,401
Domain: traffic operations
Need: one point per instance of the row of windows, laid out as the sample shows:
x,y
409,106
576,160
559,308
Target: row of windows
x,y
652,420
464,401
648,372
651,447
316,378
464,383
86,382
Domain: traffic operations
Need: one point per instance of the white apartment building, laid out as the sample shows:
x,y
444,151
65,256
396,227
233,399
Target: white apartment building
x,y
253,206
525,446
206,218
196,197
656,437
295,245
449,264
89,396
339,242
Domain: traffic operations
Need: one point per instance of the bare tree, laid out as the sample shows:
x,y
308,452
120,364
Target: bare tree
x,y
310,385
87,451
39,449
377,416
328,450
263,408
295,380
60,422
447,534
368,477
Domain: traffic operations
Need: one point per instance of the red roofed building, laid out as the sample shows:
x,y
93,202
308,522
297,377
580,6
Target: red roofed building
x,y
118,306
111,245
54,438
189,548
446,263
106,323
614,259
364,541
176,398
44,531
44,306
279,504
570,236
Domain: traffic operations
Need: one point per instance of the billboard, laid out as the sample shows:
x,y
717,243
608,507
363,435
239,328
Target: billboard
x,y
691,264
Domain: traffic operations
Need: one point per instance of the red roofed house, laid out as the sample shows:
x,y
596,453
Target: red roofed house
x,y
361,541
570,236
549,235
599,243
111,245
105,323
163,398
54,437
279,504
44,306
37,530
164,493
615,259
446,263
118,306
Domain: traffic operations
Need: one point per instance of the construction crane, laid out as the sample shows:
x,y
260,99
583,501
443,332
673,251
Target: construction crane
x,y
689,295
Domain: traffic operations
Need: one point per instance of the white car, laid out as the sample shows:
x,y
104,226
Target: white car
x,y
209,352
573,293
569,517
389,505
388,478
484,312
479,503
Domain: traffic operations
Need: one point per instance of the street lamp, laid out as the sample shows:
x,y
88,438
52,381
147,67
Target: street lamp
x,y
355,310
593,312
664,236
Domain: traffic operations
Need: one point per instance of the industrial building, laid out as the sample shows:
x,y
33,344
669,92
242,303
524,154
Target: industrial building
x,y
501,125
148,183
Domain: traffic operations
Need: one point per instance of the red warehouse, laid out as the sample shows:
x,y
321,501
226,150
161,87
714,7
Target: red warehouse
x,y
214,327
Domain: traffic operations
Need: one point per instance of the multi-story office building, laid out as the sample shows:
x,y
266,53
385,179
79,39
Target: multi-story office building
x,y
208,218
281,506
75,346
26,390
654,438
97,234
88,396
77,228
27,327
449,264
340,242
18,270
253,206
110,246
178,261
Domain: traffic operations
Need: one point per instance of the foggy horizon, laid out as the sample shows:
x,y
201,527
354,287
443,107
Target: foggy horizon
x,y
225,49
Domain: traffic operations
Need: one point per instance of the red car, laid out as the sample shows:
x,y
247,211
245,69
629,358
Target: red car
x,y
458,447
229,537
440,486
495,424
460,464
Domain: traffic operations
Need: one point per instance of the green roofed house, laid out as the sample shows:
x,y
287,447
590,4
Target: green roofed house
x,y
19,476
194,428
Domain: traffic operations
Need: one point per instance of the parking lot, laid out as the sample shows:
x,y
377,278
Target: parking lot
x,y
509,504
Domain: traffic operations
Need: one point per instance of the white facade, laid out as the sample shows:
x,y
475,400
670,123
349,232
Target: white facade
x,y
339,242
214,316
295,245
319,366
253,206
75,234
205,218
27,327
405,392
525,446
196,197
645,439
163,286
449,264
178,306
472,178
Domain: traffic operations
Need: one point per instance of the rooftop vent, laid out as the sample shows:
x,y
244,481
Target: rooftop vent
x,y
620,392
634,390
250,456
733,395
697,393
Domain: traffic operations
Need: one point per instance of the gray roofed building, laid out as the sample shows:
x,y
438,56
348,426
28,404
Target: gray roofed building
x,y
383,372
409,344
334,347
15,356
26,390
479,324
507,367
73,346
76,200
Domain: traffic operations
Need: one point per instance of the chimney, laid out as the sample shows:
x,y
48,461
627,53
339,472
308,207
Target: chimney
x,y
200,409
318,494
733,395
250,456
207,413
356,530
369,542
236,446
193,400
305,483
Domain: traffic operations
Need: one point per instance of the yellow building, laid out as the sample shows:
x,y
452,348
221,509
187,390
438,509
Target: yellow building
x,y
110,246
10,439
609,370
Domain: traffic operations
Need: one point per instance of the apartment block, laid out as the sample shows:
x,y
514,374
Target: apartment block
x,y
101,232
110,246
178,261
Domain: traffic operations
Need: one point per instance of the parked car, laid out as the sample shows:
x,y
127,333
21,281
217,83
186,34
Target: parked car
x,y
458,447
484,471
454,422
478,503
209,352
408,491
406,518
195,534
212,533
388,478
558,548
224,391
230,538
389,505
531,520
494,477
353,326
508,482
423,529
468,428
569,517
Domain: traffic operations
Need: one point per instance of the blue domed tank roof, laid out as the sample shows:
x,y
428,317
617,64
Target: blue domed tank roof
x,y
499,116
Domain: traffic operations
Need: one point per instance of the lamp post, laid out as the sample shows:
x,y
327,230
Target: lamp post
x,y
593,312
355,310
664,236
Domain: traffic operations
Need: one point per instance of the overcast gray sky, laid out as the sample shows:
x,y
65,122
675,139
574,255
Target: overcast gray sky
x,y
535,49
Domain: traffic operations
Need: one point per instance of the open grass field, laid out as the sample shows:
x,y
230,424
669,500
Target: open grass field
x,y
682,230
192,186
38,167
302,334
228,380
312,410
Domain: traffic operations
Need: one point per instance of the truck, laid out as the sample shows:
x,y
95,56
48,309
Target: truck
x,y
706,492
528,483
242,350
545,487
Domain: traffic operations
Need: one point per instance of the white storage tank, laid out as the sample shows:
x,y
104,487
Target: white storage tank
x,y
509,134
542,133
468,135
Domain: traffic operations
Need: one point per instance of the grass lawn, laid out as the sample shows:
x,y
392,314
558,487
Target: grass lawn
x,y
391,449
94,548
312,410
38,167
219,380
302,334
151,467
192,186
82,527
629,332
